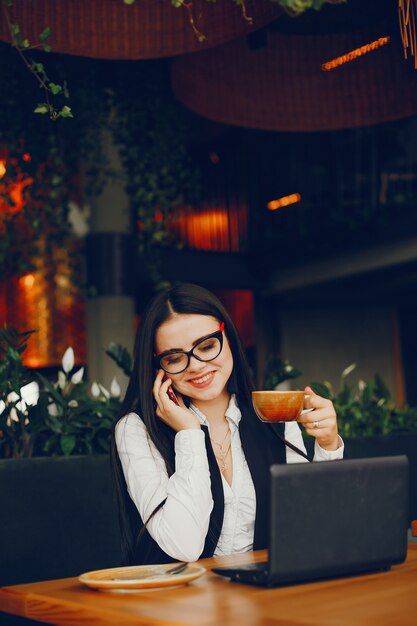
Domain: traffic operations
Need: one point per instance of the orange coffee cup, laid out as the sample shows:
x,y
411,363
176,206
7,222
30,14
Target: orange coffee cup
x,y
278,406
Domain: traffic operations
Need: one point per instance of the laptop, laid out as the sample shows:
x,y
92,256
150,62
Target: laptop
x,y
331,519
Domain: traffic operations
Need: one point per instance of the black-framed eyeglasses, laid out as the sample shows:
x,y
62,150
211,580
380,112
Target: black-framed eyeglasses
x,y
206,349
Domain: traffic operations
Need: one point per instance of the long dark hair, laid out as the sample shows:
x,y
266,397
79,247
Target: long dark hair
x,y
183,298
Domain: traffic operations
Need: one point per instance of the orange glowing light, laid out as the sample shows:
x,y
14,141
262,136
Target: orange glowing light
x,y
26,157
16,193
27,281
2,168
285,201
33,361
208,230
354,54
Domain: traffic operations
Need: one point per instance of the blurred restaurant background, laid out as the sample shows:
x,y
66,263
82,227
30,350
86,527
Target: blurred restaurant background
x,y
239,162
272,160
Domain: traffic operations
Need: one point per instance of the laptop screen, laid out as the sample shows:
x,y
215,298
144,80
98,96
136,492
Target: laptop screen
x,y
338,517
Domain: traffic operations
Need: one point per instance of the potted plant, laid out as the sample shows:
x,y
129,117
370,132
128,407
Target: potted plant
x,y
58,514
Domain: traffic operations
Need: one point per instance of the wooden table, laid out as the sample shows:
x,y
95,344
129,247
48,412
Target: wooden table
x,y
388,598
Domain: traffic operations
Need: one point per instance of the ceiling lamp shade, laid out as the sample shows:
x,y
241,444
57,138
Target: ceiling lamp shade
x,y
283,87
110,29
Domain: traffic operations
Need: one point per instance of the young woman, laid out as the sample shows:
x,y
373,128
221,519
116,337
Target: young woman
x,y
192,468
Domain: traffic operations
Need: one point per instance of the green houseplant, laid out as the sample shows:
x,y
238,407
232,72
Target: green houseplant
x,y
58,513
365,409
38,417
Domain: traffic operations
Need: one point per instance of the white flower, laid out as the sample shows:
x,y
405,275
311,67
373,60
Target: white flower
x,y
78,376
62,380
95,390
73,403
52,409
12,417
361,385
115,388
12,398
104,391
78,218
68,360
348,370
30,394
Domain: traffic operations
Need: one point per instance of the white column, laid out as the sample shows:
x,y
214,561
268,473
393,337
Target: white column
x,y
110,313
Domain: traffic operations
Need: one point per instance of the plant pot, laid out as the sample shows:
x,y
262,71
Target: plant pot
x,y
58,518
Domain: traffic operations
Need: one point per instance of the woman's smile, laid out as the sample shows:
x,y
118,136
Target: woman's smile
x,y
201,381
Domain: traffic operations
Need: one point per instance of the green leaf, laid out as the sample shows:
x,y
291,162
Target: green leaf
x,y
53,423
65,112
56,396
45,34
321,390
56,89
67,443
121,356
41,108
38,67
14,354
381,389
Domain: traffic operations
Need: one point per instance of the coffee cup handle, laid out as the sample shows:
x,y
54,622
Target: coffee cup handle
x,y
306,410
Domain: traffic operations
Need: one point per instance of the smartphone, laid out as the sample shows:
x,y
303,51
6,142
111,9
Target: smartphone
x,y
171,394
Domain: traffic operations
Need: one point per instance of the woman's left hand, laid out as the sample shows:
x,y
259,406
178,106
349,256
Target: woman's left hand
x,y
322,422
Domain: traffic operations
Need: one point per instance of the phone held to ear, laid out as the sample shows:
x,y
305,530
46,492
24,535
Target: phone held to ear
x,y
172,395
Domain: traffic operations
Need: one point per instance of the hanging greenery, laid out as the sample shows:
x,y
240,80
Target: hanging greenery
x,y
52,91
40,160
152,131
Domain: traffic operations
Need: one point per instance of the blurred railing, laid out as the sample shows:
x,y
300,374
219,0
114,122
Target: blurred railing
x,y
357,187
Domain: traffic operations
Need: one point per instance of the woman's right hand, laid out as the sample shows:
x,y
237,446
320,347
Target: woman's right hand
x,y
176,416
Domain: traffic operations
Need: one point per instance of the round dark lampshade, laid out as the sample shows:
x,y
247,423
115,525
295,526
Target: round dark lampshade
x,y
282,87
110,29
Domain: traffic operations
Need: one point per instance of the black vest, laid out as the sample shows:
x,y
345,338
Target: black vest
x,y
263,446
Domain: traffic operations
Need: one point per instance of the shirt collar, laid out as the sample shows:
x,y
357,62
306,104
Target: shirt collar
x,y
233,413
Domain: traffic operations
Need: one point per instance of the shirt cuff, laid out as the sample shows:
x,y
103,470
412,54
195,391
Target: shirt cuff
x,y
190,449
320,454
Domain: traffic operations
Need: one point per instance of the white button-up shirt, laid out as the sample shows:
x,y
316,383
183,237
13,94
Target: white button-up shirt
x,y
180,526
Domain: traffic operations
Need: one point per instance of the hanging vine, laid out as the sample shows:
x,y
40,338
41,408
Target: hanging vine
x,y
51,90
39,160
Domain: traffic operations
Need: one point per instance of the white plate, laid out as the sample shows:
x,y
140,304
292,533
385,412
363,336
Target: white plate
x,y
140,577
